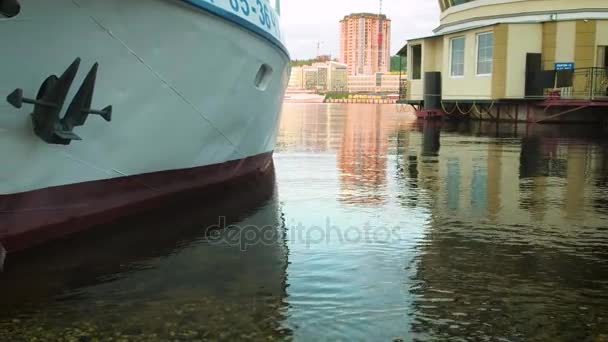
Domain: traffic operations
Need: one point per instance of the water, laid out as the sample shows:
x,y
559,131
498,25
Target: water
x,y
371,227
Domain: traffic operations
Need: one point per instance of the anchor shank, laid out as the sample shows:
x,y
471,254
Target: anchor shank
x,y
93,111
38,102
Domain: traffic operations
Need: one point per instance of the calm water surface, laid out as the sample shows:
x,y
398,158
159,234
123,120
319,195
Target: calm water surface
x,y
372,226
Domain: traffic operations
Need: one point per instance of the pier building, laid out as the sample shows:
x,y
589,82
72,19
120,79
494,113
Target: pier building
x,y
518,60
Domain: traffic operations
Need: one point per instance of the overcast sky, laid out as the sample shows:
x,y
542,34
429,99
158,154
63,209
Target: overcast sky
x,y
305,22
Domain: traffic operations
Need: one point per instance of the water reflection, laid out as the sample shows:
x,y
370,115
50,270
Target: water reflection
x,y
157,276
508,256
502,230
362,157
431,138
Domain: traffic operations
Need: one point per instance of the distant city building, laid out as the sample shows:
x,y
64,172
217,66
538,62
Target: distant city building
x,y
311,77
377,83
329,76
322,75
324,58
296,80
364,45
338,77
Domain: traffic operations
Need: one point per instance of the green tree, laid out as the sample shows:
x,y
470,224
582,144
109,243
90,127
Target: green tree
x,y
301,62
395,60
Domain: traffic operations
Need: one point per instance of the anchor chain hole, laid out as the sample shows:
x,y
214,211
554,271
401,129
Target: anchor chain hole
x,y
262,78
9,8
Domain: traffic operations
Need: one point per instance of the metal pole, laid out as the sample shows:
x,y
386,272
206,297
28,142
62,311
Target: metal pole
x,y
591,71
400,68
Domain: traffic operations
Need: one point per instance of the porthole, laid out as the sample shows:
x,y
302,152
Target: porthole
x,y
9,8
262,78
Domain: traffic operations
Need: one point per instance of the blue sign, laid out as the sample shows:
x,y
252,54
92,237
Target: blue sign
x,y
564,66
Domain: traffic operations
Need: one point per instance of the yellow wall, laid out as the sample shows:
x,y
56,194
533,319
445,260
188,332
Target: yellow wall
x,y
568,41
433,49
523,39
602,32
415,90
549,43
457,13
565,34
602,40
471,85
499,63
585,40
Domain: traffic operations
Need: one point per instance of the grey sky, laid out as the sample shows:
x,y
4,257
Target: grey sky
x,y
305,22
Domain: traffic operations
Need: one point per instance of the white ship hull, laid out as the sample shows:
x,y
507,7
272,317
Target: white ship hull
x,y
189,108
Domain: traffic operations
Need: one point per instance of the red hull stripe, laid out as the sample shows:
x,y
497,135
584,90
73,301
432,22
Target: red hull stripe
x,y
33,217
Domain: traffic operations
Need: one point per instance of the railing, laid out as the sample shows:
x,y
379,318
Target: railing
x,y
402,89
580,84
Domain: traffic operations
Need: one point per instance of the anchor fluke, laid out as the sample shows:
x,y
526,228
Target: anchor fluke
x,y
80,107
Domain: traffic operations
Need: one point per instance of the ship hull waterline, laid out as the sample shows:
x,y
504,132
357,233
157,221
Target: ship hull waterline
x,y
189,111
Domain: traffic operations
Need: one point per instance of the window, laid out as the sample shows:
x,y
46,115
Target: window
x,y
603,56
485,53
416,62
457,57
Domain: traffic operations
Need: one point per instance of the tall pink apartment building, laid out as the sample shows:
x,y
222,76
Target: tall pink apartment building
x,y
365,43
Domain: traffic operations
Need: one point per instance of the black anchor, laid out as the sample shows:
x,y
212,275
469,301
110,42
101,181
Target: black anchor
x,y
49,102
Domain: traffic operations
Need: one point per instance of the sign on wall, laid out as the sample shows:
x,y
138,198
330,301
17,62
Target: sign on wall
x,y
564,66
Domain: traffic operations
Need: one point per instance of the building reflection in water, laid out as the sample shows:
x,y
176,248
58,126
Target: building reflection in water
x,y
504,234
358,134
165,274
600,200
431,142
513,222
533,172
407,168
512,245
494,171
362,156
311,128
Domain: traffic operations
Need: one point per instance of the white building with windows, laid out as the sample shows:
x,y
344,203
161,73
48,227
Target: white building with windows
x,y
310,77
337,77
377,83
322,76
